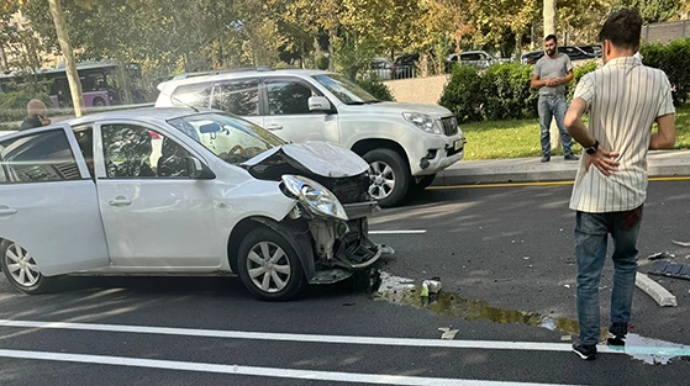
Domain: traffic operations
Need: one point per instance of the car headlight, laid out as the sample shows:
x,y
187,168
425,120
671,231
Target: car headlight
x,y
424,122
315,196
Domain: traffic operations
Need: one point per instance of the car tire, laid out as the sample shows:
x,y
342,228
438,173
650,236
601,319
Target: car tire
x,y
423,183
269,266
21,271
390,176
98,102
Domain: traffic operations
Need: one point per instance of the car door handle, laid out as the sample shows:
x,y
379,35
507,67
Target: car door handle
x,y
5,211
120,201
274,127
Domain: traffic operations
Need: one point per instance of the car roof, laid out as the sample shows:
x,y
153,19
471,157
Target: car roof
x,y
148,115
218,75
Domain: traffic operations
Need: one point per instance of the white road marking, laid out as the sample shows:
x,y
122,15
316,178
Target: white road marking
x,y
271,372
400,232
302,338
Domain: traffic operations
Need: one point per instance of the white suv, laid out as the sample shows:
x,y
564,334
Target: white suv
x,y
404,144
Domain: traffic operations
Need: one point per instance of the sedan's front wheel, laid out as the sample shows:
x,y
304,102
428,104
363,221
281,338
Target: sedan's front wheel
x,y
21,270
268,266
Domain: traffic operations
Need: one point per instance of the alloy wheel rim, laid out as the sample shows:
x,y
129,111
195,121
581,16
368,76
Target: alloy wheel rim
x,y
269,267
21,266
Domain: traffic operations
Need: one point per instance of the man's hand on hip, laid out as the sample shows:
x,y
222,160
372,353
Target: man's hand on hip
x,y
603,160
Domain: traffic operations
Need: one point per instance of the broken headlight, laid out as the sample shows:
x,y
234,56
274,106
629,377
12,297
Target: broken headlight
x,y
319,200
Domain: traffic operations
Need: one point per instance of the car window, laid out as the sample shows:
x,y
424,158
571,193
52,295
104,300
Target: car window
x,y
239,97
471,57
198,94
131,151
287,97
45,156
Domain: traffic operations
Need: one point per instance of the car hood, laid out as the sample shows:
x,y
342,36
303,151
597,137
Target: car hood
x,y
396,107
320,158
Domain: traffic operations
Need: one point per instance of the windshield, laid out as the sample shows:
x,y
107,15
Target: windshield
x,y
345,90
233,140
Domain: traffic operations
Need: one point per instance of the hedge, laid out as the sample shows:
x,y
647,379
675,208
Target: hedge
x,y
674,60
503,90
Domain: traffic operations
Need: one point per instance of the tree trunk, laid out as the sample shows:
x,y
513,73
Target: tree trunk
x,y
66,47
3,58
549,17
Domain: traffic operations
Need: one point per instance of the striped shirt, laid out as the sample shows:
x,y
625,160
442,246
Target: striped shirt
x,y
624,98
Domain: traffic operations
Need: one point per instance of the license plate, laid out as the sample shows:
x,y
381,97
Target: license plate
x,y
457,145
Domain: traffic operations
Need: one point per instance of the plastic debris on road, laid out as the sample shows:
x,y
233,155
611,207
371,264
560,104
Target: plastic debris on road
x,y
448,333
681,243
661,255
660,294
667,268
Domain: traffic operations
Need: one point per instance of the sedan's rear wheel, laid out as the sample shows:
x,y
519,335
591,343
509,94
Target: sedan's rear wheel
x,y
21,269
269,266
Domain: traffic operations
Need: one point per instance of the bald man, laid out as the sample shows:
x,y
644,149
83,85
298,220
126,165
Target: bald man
x,y
38,115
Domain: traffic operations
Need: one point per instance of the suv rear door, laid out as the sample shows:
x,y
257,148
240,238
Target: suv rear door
x,y
287,114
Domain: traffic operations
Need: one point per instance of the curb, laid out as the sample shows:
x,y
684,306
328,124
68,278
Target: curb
x,y
673,163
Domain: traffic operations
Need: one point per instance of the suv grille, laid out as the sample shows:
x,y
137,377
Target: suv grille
x,y
450,126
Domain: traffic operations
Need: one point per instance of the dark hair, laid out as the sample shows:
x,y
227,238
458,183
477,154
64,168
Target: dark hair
x,y
551,37
623,29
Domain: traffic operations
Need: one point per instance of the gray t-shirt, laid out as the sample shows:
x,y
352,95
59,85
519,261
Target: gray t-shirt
x,y
548,68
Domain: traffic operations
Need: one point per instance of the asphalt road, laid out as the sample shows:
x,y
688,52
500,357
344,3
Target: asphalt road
x,y
504,256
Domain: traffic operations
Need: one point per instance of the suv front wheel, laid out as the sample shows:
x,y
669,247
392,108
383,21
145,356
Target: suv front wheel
x,y
389,176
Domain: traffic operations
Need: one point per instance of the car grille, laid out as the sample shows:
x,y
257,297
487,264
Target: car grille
x,y
450,126
348,190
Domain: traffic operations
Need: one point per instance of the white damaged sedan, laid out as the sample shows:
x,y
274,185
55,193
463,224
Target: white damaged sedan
x,y
180,191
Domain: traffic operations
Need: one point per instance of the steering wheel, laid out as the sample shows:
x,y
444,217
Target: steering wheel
x,y
236,149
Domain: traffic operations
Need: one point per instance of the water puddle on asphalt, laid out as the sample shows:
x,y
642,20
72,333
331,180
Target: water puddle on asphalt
x,y
402,291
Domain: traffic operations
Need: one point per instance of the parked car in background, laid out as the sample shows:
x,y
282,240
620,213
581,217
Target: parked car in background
x,y
407,65
479,59
383,69
405,144
531,57
574,53
180,191
594,50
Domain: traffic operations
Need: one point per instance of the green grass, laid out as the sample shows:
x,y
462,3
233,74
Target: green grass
x,y
521,138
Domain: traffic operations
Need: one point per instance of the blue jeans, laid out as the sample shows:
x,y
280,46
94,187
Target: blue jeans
x,y
591,237
551,107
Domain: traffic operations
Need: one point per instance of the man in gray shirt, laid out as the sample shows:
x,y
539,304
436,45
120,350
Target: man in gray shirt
x,y
551,74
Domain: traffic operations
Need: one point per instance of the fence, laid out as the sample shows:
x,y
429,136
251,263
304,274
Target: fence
x,y
666,32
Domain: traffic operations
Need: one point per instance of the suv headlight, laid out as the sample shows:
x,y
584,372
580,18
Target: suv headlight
x,y
424,122
315,196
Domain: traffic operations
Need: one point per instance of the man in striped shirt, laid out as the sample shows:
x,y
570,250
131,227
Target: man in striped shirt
x,y
624,99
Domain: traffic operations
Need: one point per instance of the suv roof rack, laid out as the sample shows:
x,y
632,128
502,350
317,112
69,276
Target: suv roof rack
x,y
188,75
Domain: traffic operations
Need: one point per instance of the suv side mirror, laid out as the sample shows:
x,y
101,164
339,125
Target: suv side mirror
x,y
198,171
319,103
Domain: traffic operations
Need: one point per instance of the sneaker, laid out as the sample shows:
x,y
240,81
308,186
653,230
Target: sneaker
x,y
617,333
616,340
587,352
545,158
571,157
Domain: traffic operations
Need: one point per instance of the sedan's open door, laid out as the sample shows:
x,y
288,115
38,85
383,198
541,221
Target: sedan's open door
x,y
48,201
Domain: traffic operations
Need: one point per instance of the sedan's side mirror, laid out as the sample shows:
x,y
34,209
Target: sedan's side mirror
x,y
319,103
198,171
